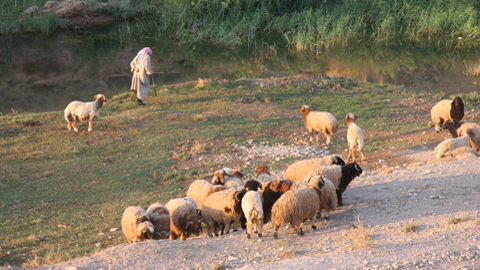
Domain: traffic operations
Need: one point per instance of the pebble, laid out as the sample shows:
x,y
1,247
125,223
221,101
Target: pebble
x,y
114,229
231,258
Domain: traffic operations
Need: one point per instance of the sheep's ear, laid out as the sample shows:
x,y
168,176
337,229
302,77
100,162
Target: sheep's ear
x,y
355,117
357,168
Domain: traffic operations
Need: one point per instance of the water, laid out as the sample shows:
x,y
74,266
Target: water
x,y
39,73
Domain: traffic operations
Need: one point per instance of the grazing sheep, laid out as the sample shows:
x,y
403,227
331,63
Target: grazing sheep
x,y
271,193
200,190
159,216
253,210
447,109
135,224
451,144
192,201
78,111
458,129
184,219
231,180
354,137
221,209
341,176
263,174
298,170
296,206
319,121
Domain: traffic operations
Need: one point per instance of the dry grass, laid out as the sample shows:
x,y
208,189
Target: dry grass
x,y
456,220
357,237
410,228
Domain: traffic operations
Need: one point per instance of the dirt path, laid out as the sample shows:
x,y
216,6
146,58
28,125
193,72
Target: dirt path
x,y
430,196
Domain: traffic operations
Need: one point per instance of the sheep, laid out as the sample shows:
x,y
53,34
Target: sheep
x,y
296,206
184,219
78,111
319,121
341,176
221,209
263,174
474,134
271,193
328,201
135,224
159,216
447,109
462,152
200,190
298,170
354,137
451,144
231,180
252,185
253,210
458,129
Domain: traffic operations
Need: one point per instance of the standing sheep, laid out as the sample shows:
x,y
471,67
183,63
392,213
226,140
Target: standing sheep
x,y
159,215
451,144
271,193
263,174
354,136
78,111
319,121
298,170
233,179
184,219
328,201
200,190
135,224
447,109
252,208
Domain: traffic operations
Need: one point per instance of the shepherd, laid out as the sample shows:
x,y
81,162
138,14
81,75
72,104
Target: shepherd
x,y
142,71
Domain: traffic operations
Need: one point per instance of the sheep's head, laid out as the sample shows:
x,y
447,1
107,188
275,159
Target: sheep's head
x,y
162,235
262,169
305,110
253,185
219,177
451,125
350,117
194,226
439,151
457,110
338,160
100,97
238,200
357,169
145,228
280,185
236,174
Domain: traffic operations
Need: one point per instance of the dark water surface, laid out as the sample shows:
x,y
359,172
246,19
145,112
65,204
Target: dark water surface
x,y
44,73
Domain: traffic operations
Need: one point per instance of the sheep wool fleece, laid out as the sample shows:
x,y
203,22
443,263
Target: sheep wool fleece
x,y
141,79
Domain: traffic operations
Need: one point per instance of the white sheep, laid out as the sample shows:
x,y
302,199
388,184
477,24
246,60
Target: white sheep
x,y
184,219
253,210
328,201
159,216
78,111
200,190
294,207
451,144
319,121
354,137
222,209
233,179
458,129
135,224
298,170
462,152
447,109
263,174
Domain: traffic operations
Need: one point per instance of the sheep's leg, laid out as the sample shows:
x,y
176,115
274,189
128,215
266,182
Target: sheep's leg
x,y
313,224
363,155
74,124
298,230
90,128
339,196
311,135
275,232
349,154
329,138
258,227
327,215
69,125
354,152
227,228
183,237
316,136
249,228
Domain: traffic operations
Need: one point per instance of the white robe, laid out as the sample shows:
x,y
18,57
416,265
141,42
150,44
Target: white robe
x,y
141,79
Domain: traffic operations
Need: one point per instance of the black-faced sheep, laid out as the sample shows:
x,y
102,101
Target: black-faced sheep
x,y
319,121
184,219
78,111
135,224
253,210
296,206
263,174
341,176
252,185
354,137
451,144
159,216
298,170
458,129
200,190
222,209
447,109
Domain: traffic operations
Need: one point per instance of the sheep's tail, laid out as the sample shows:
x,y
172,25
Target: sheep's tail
x,y
254,215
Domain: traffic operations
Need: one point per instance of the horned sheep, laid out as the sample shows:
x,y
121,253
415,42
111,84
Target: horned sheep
x,y
159,216
135,224
298,170
447,109
451,144
200,190
184,219
78,111
319,121
253,210
354,137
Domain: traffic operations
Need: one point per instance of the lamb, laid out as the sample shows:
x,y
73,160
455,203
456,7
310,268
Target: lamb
x,y
296,206
447,109
458,129
221,209
200,190
451,144
341,176
319,121
78,111
231,180
135,224
354,137
184,219
263,174
253,210
298,170
159,215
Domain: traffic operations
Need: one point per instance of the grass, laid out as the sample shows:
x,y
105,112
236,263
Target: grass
x,y
59,189
410,228
456,220
356,237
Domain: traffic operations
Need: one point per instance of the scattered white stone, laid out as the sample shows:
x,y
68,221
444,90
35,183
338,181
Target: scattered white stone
x,y
114,229
231,258
434,197
99,244
365,263
100,233
427,172
71,268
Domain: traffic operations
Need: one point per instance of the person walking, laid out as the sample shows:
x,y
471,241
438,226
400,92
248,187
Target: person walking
x,y
142,71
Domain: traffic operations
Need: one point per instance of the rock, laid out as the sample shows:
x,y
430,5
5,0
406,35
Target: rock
x,y
231,258
32,11
114,229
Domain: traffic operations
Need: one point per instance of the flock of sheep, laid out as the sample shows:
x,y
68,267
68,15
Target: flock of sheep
x,y
306,188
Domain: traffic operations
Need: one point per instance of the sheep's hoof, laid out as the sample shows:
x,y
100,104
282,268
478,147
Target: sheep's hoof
x,y
314,227
76,129
275,236
301,232
235,229
90,130
327,218
248,236
319,215
256,231
210,235
259,235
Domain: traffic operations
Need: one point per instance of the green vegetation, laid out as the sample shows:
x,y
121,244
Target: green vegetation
x,y
306,24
